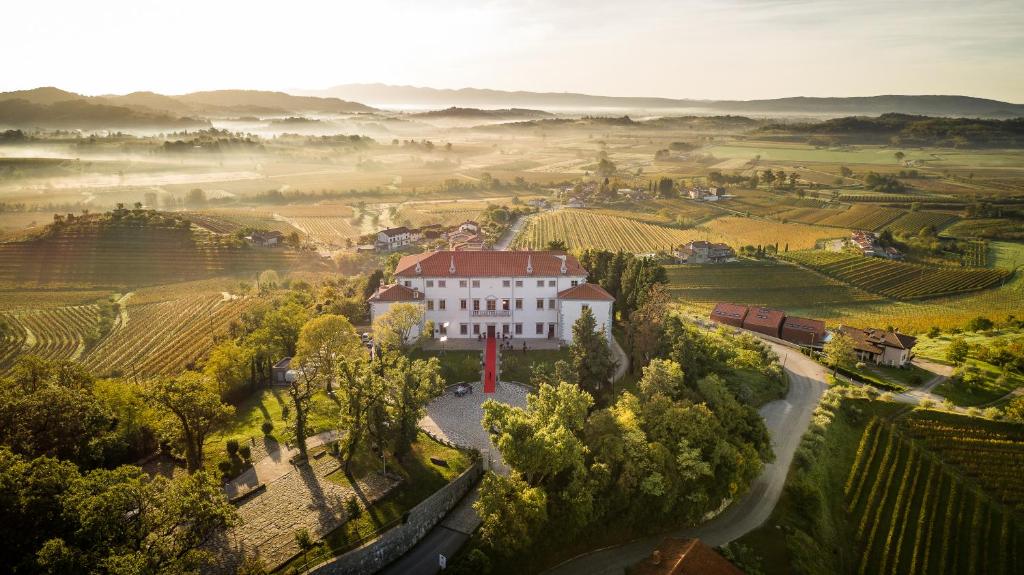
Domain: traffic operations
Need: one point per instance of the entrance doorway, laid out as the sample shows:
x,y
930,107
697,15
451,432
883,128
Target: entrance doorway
x,y
551,331
490,331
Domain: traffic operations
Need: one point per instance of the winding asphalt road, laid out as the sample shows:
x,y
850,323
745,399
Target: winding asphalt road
x,y
787,420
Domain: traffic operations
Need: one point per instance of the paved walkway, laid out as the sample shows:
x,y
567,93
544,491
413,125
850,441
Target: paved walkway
x,y
512,232
274,466
295,498
457,419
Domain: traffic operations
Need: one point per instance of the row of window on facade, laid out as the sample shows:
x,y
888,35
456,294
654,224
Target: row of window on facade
x,y
491,304
476,283
506,329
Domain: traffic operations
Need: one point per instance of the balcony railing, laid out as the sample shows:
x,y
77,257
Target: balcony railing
x,y
491,313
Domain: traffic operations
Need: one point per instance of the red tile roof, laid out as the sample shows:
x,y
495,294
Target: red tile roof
x,y
488,264
588,291
392,232
764,317
395,292
873,340
685,557
730,310
804,324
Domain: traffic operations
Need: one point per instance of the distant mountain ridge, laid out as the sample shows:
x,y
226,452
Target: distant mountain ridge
x,y
50,107
934,105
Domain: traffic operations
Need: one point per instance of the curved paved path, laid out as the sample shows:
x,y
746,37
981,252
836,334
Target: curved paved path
x,y
787,420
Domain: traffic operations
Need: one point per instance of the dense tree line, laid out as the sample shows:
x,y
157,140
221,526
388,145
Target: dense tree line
x,y
907,129
661,454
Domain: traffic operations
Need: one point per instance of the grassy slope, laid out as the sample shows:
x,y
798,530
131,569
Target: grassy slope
x,y
991,387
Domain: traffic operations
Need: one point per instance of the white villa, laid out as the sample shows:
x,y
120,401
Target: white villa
x,y
517,294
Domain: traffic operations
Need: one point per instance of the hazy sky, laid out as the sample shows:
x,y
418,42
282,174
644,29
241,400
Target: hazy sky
x,y
735,49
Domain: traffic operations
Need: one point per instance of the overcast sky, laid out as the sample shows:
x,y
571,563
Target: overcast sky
x,y
718,49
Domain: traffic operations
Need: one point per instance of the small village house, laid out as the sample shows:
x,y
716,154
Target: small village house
x,y
265,238
881,347
393,238
703,252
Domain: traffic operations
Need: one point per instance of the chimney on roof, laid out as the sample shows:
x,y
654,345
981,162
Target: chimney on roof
x,y
529,264
563,269
419,268
451,267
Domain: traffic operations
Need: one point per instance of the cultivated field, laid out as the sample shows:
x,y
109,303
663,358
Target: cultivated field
x,y
765,283
897,280
165,337
934,494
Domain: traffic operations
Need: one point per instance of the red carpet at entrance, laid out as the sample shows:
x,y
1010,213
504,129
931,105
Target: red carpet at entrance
x,y
490,364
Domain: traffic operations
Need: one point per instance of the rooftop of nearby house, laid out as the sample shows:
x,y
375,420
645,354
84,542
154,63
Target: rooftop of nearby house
x,y
685,557
804,324
764,317
874,340
587,291
730,310
394,293
392,232
448,263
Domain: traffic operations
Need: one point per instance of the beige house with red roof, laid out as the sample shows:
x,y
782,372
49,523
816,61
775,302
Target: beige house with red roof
x,y
510,294
881,347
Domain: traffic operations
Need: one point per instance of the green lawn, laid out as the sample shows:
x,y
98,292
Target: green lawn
x,y
988,387
459,366
264,405
421,479
911,376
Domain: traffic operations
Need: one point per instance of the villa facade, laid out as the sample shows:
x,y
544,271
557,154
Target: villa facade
x,y
510,294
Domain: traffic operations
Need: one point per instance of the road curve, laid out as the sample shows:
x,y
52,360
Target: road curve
x,y
787,420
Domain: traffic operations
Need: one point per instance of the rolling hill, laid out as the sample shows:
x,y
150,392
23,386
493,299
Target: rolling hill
x,y
53,108
934,105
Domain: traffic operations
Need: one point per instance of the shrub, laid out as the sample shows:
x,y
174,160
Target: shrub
x,y
353,508
860,365
926,403
224,467
476,563
285,410
232,447
303,538
934,332
246,452
267,427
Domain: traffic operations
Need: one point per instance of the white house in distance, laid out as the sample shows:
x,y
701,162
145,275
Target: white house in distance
x,y
393,238
517,294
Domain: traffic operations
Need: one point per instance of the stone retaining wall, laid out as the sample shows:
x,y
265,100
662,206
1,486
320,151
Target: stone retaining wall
x,y
397,541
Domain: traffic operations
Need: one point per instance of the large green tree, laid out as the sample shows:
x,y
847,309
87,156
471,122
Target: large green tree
x,y
192,408
591,356
645,329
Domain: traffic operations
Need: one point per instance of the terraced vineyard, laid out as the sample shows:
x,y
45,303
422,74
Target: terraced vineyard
x,y
913,222
118,256
759,283
976,254
55,333
229,221
330,230
862,217
164,337
897,280
914,512
584,229
590,229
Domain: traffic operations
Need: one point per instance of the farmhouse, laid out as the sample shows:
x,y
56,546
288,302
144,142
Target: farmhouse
x,y
702,252
265,238
393,238
803,331
574,203
764,320
508,294
881,347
